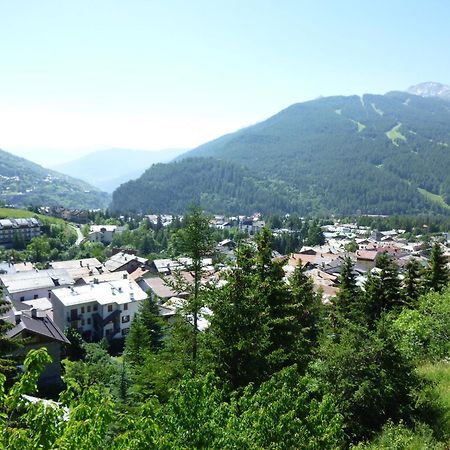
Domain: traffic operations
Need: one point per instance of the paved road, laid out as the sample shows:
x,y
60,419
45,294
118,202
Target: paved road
x,y
80,237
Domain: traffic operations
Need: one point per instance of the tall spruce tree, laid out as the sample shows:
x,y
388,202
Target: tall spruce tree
x,y
382,289
413,281
195,240
238,331
437,276
348,299
304,314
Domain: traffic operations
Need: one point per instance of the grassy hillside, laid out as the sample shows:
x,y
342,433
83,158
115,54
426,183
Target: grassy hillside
x,y
24,183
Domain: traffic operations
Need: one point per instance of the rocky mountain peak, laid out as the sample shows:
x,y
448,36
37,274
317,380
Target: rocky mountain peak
x,y
430,89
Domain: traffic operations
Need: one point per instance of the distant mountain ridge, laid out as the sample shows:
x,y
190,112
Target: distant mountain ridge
x,y
375,154
430,89
108,169
24,183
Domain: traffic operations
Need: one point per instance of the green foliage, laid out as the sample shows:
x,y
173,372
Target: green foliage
x,y
97,367
400,437
382,289
423,333
7,345
438,274
259,323
368,378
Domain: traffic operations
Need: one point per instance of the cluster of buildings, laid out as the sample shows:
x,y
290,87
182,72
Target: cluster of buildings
x,y
23,229
98,299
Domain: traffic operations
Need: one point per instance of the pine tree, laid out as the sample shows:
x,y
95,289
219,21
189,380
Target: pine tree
x,y
304,314
237,332
382,289
348,299
437,274
194,240
413,281
152,323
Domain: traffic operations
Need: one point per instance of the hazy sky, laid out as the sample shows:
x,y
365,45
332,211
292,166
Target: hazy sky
x,y
92,74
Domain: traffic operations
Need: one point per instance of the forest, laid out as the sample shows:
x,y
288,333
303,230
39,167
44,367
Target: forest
x,y
275,369
375,154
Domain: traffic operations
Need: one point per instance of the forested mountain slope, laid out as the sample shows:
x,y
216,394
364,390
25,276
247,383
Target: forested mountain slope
x,y
24,183
218,186
376,154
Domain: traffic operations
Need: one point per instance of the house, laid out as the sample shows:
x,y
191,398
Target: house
x,y
251,226
79,268
18,229
125,261
34,284
98,310
37,330
103,233
160,289
168,266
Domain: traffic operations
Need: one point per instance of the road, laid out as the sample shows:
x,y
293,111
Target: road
x,y
80,237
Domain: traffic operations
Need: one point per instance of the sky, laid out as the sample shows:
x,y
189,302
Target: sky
x,y
86,75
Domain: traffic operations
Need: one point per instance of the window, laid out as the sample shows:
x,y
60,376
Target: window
x,y
22,299
35,296
125,306
89,308
125,331
82,322
95,307
89,321
110,308
82,310
125,319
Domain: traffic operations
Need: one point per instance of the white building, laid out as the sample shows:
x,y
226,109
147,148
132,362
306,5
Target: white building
x,y
98,310
34,284
103,233
25,229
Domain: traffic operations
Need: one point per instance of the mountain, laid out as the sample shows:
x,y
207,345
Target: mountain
x,y
108,169
431,89
219,186
24,183
375,154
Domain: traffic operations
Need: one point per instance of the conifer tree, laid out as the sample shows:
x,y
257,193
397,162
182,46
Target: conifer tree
x,y
438,274
413,281
382,289
195,240
237,332
348,299
304,313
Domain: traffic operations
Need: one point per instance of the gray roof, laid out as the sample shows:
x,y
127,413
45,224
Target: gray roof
x,y
121,259
19,223
41,279
42,326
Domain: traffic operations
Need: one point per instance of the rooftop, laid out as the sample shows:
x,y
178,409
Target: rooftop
x,y
39,279
120,292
